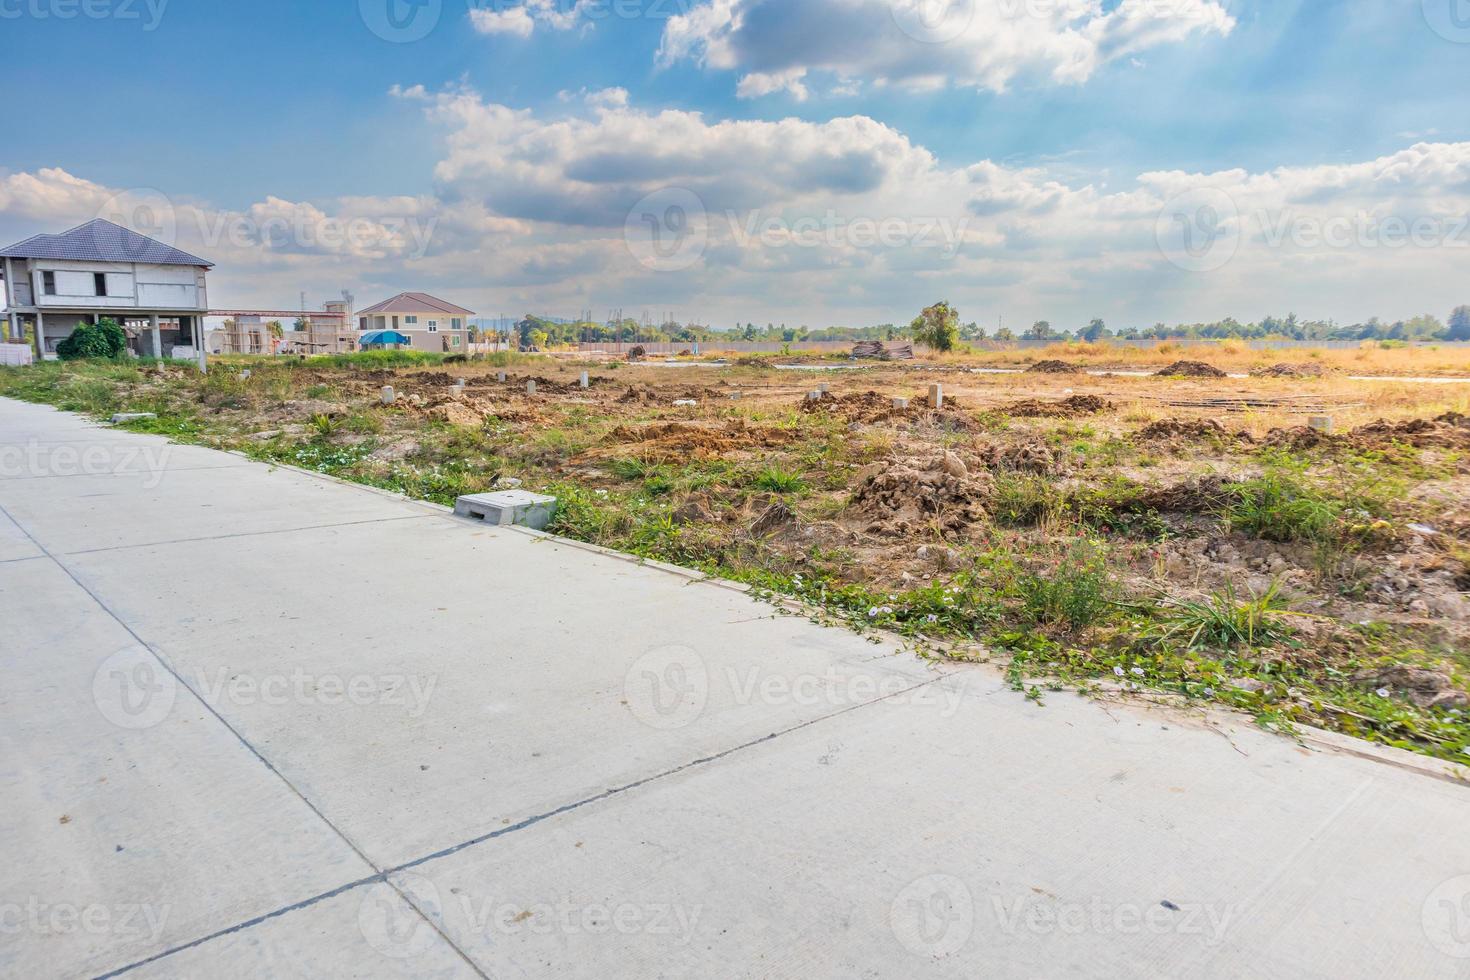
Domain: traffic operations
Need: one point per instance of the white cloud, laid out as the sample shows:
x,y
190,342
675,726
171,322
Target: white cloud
x,y
926,44
757,84
839,221
522,21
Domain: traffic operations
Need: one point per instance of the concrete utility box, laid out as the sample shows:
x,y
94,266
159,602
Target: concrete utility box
x,y
518,507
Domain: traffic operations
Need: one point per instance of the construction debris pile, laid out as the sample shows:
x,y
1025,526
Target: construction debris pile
x,y
877,349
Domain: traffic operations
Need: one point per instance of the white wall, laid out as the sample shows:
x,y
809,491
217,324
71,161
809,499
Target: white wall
x,y
149,287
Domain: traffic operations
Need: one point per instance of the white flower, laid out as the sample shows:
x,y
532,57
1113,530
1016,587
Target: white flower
x,y
1383,692
1137,671
887,610
1118,671
893,598
872,611
932,618
1209,692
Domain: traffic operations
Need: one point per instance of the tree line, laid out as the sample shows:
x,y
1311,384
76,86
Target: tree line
x,y
542,332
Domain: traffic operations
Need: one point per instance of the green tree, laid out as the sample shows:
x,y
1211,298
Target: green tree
x,y
1040,330
938,326
1094,331
1459,324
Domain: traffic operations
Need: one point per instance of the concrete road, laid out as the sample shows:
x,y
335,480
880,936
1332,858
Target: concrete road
x,y
255,722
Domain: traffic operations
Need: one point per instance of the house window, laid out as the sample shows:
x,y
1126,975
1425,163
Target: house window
x,y
408,340
457,323
410,319
99,283
454,341
48,283
433,326
362,323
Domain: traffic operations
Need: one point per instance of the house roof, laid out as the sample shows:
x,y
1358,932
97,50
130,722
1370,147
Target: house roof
x,y
99,240
415,303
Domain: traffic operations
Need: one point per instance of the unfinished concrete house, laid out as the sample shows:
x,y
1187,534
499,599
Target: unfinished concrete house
x,y
101,269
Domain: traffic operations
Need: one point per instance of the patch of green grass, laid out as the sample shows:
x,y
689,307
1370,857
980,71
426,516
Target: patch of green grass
x,y
1222,621
773,479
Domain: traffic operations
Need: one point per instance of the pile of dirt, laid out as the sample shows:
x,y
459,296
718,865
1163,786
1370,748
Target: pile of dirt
x,y
427,379
677,441
907,496
1449,431
1066,408
457,413
640,395
1033,456
1200,495
1190,369
1291,371
1054,367
1165,430
637,353
868,406
1299,437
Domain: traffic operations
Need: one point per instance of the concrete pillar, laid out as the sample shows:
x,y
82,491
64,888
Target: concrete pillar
x,y
936,396
823,388
196,331
156,334
530,387
584,381
900,403
387,396
1322,423
40,336
500,376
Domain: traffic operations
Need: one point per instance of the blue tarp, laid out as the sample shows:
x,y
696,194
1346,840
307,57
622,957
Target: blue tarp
x,y
381,338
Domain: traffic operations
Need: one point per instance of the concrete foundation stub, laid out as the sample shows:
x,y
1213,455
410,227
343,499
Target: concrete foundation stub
x,y
1322,423
387,395
508,507
530,387
900,403
936,396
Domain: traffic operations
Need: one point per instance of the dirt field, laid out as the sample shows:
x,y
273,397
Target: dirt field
x,y
1190,537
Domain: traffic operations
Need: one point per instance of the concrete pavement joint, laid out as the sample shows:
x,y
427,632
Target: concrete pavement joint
x,y
385,876
245,534
239,736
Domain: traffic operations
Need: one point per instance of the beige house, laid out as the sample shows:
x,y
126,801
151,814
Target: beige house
x,y
429,323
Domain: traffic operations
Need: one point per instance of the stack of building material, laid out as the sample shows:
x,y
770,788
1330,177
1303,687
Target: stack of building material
x,y
892,351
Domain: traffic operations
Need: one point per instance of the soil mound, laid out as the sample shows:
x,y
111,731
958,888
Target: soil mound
x,y
1291,371
1190,369
1201,495
1449,431
911,495
1033,456
1425,688
639,395
1299,437
637,353
676,441
870,407
1171,429
1066,408
1054,367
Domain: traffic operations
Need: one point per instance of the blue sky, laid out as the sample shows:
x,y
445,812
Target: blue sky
x,y
221,107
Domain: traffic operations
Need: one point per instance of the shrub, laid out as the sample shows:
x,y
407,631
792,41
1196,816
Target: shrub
x,y
938,327
776,480
104,339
